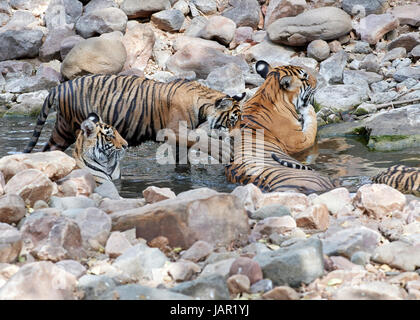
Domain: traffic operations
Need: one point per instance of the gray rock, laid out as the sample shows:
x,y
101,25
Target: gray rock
x,y
373,27
198,251
221,267
139,261
283,8
197,24
332,69
361,258
407,14
64,203
382,86
361,47
10,243
401,63
20,20
94,286
375,290
406,40
219,28
370,63
116,245
407,72
245,13
262,286
20,44
67,44
272,53
73,267
182,6
272,210
62,12
213,287
99,4
415,52
299,263
50,49
12,208
370,77
399,254
168,20
95,227
326,23
143,8
364,7
228,79
383,97
340,97
108,190
205,6
318,49
101,21
396,53
348,241
139,292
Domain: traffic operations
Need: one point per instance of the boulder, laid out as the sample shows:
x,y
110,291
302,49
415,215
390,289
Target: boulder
x,y
205,6
99,4
283,8
247,267
168,20
318,49
332,69
116,244
296,202
238,283
219,28
79,182
376,290
101,21
62,12
398,254
245,13
154,194
143,8
12,208
315,217
250,195
51,47
373,27
21,19
326,23
272,53
17,44
281,293
340,97
228,79
406,40
407,14
94,55
364,7
28,104
67,44
200,250
10,243
406,73
73,267
138,42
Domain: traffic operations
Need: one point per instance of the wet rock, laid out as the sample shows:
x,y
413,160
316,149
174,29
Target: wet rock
x,y
373,27
296,202
140,262
270,225
111,206
94,55
272,210
70,10
10,243
398,254
247,267
348,241
335,200
108,190
95,226
407,14
38,281
221,267
314,218
73,267
318,49
101,21
326,23
202,60
250,195
245,13
183,270
154,194
31,185
281,293
219,28
271,53
139,292
116,244
340,97
79,182
219,219
407,41
200,250
375,290
406,73
228,79
332,68
168,20
205,288
143,9
364,7
262,286
12,208
283,8
95,285
299,263
238,283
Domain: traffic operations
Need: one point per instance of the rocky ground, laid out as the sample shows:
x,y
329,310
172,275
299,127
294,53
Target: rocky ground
x,y
61,237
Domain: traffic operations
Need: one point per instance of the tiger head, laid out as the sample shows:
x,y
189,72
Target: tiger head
x,y
225,112
99,148
292,85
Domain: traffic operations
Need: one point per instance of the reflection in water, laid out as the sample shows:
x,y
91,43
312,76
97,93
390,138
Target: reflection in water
x,y
346,159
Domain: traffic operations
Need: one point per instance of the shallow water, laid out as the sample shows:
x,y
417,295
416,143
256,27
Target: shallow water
x,y
346,159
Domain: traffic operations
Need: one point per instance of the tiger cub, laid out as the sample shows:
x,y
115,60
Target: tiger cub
x,y
402,178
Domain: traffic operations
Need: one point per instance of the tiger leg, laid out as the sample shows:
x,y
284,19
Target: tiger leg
x,y
61,137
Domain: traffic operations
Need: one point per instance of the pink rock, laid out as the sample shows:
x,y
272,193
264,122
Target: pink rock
x,y
31,185
316,217
238,283
270,225
335,200
373,27
250,195
247,267
377,200
183,270
296,202
10,243
77,183
283,8
198,251
219,28
242,34
12,208
154,194
138,42
281,293
116,245
111,206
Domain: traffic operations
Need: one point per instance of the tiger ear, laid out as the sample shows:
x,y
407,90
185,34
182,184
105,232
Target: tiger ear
x,y
285,82
88,127
239,97
94,117
262,68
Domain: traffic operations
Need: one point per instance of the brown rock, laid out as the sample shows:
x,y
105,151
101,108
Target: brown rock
x,y
116,245
377,200
248,267
162,243
80,182
138,42
31,185
10,243
296,202
200,250
39,281
238,283
12,208
154,194
281,293
55,164
373,27
315,217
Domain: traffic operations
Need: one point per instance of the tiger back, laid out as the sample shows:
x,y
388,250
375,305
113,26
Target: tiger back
x,y
99,148
403,178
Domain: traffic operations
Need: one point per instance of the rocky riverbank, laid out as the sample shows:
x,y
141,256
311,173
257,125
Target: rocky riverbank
x,y
61,237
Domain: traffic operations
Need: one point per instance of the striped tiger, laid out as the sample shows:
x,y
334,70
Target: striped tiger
x,y
282,108
137,107
403,178
99,148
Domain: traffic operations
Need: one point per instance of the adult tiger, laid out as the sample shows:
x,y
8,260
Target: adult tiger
x,y
137,107
281,108
99,148
403,178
